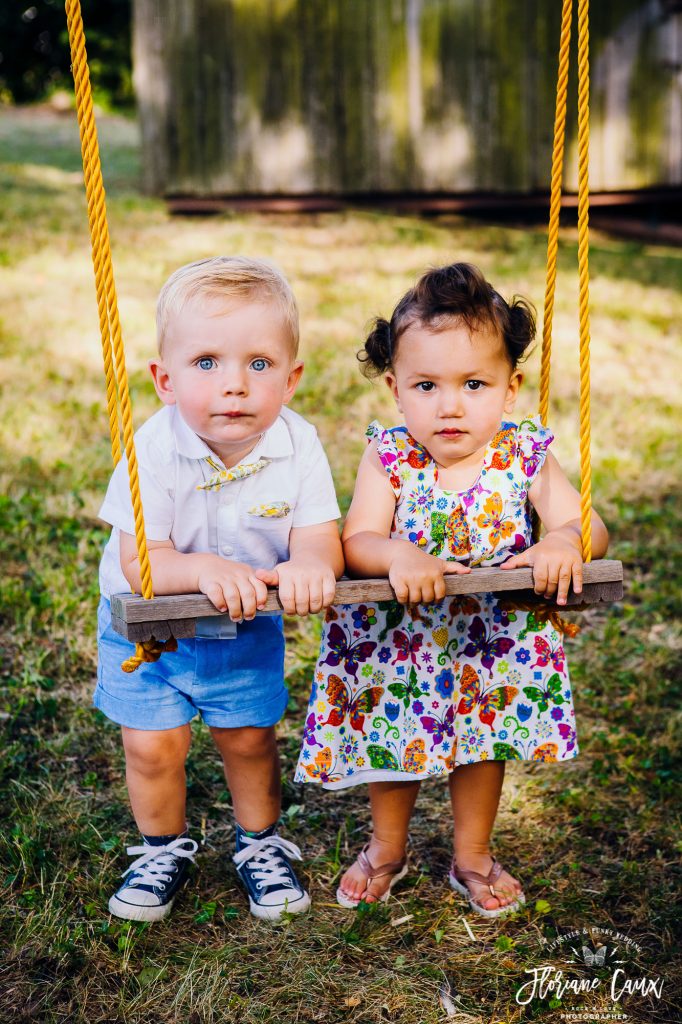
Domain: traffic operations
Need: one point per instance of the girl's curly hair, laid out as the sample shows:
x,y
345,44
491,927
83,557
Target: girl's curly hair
x,y
457,292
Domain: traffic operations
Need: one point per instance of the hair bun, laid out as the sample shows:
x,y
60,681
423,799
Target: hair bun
x,y
377,354
521,327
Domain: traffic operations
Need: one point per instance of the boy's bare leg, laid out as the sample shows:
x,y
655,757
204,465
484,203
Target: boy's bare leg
x,y
475,796
155,773
392,804
253,774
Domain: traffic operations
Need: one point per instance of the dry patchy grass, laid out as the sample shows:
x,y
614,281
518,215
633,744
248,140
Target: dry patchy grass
x,y
595,841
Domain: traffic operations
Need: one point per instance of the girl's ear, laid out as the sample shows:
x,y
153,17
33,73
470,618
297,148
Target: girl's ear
x,y
512,390
162,382
393,388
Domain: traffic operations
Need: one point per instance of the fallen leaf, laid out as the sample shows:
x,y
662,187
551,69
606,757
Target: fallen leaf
x,y
445,1000
402,920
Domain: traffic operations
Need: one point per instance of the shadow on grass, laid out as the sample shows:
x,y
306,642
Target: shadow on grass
x,y
37,136
593,841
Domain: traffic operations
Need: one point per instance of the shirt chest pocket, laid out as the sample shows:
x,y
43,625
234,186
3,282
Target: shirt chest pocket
x,y
272,516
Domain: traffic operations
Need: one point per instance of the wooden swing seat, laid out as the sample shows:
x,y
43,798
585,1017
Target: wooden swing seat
x,y
139,619
164,619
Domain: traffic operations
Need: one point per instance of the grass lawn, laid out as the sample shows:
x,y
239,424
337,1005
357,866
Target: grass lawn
x,y
595,842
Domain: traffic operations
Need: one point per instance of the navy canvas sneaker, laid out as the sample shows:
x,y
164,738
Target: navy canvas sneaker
x,y
262,862
153,880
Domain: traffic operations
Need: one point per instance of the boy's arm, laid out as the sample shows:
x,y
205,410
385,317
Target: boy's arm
x,y
172,571
318,544
558,557
232,587
307,582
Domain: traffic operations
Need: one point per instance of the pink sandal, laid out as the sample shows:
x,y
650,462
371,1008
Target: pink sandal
x,y
396,868
458,880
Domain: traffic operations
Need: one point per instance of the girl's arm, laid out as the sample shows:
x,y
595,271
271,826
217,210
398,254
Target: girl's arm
x,y
368,550
365,536
558,557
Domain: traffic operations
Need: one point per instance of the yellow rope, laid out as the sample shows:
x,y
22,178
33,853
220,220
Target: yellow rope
x,y
584,274
110,327
555,206
148,651
88,135
583,248
107,306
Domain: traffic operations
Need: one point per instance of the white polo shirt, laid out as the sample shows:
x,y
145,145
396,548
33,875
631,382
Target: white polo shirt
x,y
244,513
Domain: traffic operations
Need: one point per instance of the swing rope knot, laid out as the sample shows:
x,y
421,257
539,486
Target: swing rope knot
x,y
147,652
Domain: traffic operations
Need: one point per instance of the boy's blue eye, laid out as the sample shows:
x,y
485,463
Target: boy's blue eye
x,y
259,365
206,363
425,386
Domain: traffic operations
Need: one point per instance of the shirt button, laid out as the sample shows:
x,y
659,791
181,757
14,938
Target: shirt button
x,y
227,550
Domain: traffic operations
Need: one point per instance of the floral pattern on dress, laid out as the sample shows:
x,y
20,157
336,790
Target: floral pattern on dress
x,y
412,692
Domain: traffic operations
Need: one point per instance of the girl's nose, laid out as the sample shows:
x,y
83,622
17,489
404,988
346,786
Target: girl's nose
x,y
451,405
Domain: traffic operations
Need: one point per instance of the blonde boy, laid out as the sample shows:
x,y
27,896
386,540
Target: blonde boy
x,y
237,494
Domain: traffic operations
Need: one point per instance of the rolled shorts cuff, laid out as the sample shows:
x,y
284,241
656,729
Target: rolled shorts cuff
x,y
139,715
262,717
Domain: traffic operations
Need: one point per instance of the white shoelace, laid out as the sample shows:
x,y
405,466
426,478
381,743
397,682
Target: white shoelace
x,y
157,863
262,854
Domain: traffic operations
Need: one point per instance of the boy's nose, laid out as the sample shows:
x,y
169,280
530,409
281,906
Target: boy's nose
x,y
234,384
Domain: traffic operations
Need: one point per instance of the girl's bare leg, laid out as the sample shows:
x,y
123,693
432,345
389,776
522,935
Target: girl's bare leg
x,y
392,804
475,796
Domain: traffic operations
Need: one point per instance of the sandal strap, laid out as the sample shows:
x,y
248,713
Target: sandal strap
x,y
475,876
389,868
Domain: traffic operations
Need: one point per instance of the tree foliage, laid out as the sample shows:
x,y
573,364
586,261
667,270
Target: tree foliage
x,y
34,45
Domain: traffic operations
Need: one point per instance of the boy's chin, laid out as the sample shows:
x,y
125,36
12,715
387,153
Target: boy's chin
x,y
231,443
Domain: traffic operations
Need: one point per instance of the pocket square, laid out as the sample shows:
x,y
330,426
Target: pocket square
x,y
273,510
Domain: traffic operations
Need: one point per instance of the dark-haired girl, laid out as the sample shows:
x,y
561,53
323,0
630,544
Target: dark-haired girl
x,y
432,686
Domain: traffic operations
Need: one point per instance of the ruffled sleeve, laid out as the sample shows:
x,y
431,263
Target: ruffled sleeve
x,y
390,455
532,443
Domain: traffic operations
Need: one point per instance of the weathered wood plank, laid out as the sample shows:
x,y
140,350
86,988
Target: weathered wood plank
x,y
137,632
603,581
342,96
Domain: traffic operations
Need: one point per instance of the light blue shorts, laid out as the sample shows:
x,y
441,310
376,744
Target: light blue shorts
x,y
230,683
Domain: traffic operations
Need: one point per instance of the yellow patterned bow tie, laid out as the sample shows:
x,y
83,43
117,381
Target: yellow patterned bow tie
x,y
226,476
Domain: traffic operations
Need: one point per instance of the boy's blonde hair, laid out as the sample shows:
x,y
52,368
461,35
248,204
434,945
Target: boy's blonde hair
x,y
226,277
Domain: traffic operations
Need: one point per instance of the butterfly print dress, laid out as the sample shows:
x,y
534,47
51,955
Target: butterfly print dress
x,y
409,693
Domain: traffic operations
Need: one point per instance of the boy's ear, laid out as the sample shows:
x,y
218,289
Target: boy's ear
x,y
512,390
162,382
292,382
393,388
